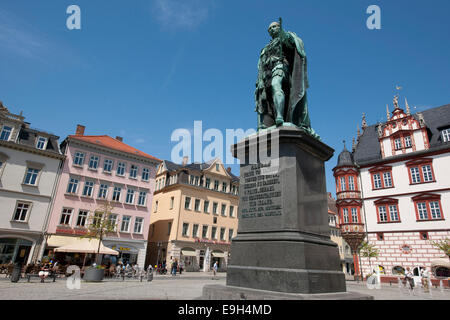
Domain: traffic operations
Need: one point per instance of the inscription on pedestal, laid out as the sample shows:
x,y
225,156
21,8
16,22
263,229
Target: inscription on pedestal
x,y
260,193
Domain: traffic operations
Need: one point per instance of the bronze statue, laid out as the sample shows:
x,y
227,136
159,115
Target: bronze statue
x,y
282,82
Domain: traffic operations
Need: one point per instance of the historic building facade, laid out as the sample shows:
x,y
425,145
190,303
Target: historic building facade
x,y
194,215
336,237
396,184
99,169
30,161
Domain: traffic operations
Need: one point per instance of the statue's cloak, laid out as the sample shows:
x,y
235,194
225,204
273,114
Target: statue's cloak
x,y
296,108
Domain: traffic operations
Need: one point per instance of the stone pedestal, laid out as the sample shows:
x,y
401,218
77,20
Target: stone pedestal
x,y
283,242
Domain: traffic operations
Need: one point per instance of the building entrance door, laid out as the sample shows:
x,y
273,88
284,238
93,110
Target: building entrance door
x,y
22,254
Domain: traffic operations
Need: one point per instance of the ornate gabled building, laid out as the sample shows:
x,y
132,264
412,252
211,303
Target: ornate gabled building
x,y
194,215
395,184
30,161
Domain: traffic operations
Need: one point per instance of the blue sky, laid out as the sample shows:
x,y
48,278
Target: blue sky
x,y
142,69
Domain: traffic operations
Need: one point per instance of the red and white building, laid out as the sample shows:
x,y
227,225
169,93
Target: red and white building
x,y
396,184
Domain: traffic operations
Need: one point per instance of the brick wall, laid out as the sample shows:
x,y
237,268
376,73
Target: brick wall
x,y
391,254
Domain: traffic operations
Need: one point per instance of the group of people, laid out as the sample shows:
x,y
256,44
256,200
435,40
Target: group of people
x,y
425,275
177,267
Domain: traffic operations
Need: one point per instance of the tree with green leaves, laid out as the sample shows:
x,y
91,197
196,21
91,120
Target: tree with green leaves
x,y
100,224
443,245
368,250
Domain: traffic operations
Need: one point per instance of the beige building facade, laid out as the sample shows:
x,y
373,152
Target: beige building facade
x,y
194,215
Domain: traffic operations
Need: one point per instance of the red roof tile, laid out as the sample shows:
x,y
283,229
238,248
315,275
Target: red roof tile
x,y
108,142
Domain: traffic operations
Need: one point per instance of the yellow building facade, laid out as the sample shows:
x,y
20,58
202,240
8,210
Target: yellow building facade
x,y
194,215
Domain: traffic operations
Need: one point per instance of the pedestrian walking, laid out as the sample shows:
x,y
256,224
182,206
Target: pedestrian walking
x,y
181,266
409,278
215,268
174,267
425,280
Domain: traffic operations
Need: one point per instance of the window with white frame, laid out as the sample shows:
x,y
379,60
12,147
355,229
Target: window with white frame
x,y
427,173
195,231
6,133
103,191
422,209
82,218
383,217
387,179
121,166
133,171
191,179
142,200
408,143
88,188
398,143
145,174
31,176
223,210
125,227
112,220
354,215
66,214
222,234
446,135
138,223
208,183
393,212
185,229
197,205
130,196
172,201
224,186
78,158
116,193
206,206
343,184
41,143
213,232
97,220
351,183
345,215
415,175
217,167
187,203
231,211
197,181
377,181
215,205
435,210
93,162
205,232
72,187
216,185
22,211
230,234
108,165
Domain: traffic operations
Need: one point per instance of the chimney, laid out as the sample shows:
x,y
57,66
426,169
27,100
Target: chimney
x,y
80,130
119,138
185,161
229,169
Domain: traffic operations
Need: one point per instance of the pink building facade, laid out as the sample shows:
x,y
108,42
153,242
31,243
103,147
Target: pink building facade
x,y
99,169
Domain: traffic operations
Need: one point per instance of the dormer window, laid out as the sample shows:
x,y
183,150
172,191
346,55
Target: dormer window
x,y
41,143
398,143
6,133
408,142
446,135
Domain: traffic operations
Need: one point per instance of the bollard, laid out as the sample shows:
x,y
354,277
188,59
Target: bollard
x,y
149,274
17,270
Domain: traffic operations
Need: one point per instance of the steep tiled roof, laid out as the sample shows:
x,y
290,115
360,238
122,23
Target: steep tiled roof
x,y
108,142
368,148
171,166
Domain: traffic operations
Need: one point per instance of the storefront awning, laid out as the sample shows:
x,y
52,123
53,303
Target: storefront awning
x,y
442,262
59,241
84,245
188,252
218,254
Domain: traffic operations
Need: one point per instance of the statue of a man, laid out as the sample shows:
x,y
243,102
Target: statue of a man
x,y
282,82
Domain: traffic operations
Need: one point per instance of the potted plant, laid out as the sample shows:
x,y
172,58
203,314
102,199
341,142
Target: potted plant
x,y
99,225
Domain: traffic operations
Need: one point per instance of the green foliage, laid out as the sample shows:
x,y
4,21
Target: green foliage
x,y
367,250
101,223
443,245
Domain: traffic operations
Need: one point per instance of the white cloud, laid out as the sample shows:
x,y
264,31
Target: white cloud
x,y
182,13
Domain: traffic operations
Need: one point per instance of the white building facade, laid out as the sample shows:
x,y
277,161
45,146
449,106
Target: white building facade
x,y
404,178
30,161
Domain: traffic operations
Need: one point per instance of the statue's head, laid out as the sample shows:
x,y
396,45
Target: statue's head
x,y
274,29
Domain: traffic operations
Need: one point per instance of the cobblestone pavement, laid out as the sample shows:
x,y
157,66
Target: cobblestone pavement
x,y
187,286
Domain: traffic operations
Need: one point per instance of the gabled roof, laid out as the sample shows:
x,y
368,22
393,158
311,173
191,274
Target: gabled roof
x,y
200,167
368,147
111,143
